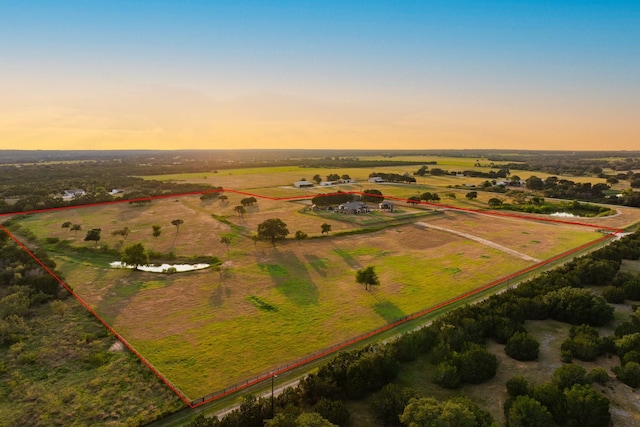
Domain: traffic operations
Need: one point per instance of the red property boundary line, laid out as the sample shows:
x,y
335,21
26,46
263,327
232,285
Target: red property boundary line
x,y
332,349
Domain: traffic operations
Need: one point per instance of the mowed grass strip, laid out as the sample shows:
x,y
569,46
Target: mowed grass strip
x,y
202,331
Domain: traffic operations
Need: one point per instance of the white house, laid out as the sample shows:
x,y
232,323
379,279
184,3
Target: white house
x,y
376,179
72,194
302,184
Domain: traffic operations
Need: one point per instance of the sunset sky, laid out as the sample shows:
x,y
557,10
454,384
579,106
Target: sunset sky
x,y
370,74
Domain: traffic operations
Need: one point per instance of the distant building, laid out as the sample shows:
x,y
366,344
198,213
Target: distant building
x,y
72,194
326,183
303,184
376,179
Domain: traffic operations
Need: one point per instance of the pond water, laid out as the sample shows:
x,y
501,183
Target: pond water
x,y
564,215
161,268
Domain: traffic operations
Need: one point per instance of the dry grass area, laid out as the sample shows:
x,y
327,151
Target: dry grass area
x,y
206,330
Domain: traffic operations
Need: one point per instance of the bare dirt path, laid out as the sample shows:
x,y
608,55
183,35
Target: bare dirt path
x,y
482,241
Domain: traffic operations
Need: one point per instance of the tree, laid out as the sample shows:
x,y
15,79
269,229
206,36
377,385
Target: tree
x,y
272,229
413,200
93,235
332,410
226,240
240,210
326,228
534,183
300,236
522,346
333,177
317,179
517,386
471,195
628,373
346,177
66,224
157,231
367,277
248,201
494,202
124,233
387,404
135,255
75,228
177,223
525,411
223,199
577,306
586,407
372,195
568,375
457,411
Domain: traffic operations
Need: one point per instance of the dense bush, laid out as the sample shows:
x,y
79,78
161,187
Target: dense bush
x,y
387,404
522,346
525,411
628,374
577,306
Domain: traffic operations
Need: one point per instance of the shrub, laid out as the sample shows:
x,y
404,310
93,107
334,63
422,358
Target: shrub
x,y
598,375
447,375
388,404
525,411
628,374
568,375
517,386
332,410
613,294
522,346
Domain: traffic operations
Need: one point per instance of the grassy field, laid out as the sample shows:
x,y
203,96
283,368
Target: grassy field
x,y
207,330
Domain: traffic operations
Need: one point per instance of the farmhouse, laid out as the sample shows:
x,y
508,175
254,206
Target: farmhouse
x,y
376,179
353,208
326,183
302,184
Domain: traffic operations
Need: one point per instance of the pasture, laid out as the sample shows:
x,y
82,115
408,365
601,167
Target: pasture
x,y
270,305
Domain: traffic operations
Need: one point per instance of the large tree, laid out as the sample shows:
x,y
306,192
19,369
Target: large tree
x,y
135,255
367,277
272,229
93,235
326,228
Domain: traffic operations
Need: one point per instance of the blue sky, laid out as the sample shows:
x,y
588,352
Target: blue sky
x,y
213,74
